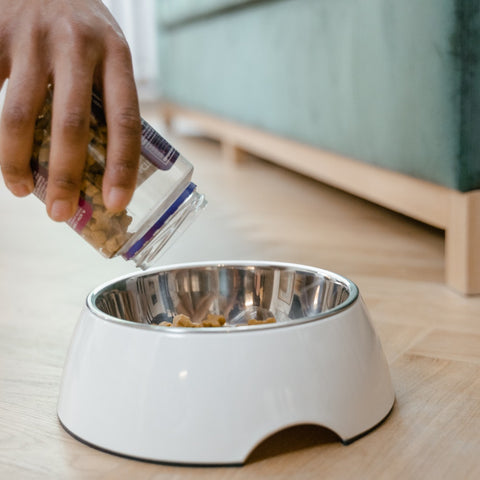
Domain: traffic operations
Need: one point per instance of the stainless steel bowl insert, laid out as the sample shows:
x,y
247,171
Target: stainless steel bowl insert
x,y
239,291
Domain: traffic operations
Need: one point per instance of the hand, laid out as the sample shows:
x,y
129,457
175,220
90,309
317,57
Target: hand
x,y
73,44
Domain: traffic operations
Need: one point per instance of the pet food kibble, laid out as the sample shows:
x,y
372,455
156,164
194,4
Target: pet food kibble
x,y
182,321
112,244
97,199
212,321
254,321
90,189
98,238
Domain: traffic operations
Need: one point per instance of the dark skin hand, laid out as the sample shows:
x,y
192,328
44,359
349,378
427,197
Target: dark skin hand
x,y
74,45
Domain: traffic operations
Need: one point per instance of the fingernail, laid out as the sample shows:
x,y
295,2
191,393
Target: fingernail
x,y
20,189
116,198
61,210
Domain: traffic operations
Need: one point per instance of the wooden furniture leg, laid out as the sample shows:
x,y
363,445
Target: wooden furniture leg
x,y
231,152
462,243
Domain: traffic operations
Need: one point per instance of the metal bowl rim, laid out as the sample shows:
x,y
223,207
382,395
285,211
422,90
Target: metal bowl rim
x,y
351,287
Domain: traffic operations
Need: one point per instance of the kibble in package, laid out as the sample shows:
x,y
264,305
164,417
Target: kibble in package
x,y
164,203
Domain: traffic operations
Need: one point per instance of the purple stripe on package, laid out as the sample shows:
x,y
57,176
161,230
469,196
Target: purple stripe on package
x,y
154,147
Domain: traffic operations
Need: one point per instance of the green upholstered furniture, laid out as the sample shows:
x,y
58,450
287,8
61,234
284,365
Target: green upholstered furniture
x,y
380,97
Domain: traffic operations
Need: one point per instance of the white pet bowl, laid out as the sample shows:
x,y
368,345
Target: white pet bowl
x,y
211,395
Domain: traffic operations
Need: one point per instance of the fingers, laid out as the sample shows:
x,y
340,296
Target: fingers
x,y
124,127
67,44
70,126
24,97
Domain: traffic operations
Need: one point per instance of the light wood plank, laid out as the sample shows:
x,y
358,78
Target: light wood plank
x,y
451,345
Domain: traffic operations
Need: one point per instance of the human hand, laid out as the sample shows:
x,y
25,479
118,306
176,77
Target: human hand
x,y
75,45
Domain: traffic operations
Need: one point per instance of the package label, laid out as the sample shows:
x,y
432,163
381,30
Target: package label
x,y
84,210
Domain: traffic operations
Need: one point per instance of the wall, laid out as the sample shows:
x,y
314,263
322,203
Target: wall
x,y
137,20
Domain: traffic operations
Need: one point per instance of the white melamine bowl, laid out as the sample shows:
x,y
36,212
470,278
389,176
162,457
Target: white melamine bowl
x,y
211,395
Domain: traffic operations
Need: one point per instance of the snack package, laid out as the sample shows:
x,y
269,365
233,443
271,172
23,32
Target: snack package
x,y
165,199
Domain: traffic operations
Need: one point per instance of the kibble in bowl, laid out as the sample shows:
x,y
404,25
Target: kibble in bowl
x,y
209,297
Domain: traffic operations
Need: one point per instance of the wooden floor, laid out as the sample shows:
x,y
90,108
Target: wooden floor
x,y
431,335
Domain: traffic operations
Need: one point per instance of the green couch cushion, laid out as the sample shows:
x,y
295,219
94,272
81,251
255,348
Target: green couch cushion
x,y
173,12
392,83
